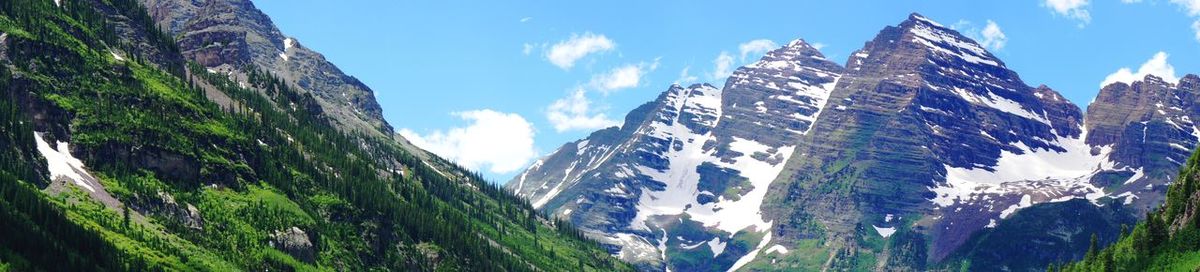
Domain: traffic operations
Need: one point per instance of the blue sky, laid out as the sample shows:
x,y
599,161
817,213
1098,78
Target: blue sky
x,y
495,85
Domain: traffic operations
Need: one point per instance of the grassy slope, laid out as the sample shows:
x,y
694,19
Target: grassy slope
x,y
304,174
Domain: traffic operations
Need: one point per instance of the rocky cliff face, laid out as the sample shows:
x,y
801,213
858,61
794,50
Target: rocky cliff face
x,y
1149,125
923,140
232,35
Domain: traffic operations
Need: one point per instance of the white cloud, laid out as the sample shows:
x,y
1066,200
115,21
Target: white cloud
x,y
527,49
722,66
685,77
1131,1
818,46
564,53
1196,28
501,142
993,38
1074,9
757,47
1157,66
575,113
526,19
1191,6
624,77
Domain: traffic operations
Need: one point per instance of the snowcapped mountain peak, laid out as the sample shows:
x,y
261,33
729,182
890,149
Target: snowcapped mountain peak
x,y
924,135
699,157
917,17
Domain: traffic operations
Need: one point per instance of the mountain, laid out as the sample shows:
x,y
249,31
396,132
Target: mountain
x,y
921,151
123,148
689,170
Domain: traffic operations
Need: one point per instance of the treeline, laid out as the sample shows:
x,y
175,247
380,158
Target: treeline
x,y
430,206
1167,240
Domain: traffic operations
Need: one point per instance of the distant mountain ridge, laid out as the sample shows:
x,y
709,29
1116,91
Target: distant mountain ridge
x,y
924,142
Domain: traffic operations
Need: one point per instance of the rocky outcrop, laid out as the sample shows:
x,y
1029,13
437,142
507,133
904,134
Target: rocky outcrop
x,y
294,242
1149,126
232,35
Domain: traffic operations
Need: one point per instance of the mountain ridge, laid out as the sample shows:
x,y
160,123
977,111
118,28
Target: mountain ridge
x,y
922,125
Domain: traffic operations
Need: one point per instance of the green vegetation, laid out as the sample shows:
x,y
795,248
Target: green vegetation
x,y
208,186
1167,240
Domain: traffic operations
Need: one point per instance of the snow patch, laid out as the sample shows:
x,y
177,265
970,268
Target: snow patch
x,y
1000,103
61,164
1026,201
717,246
885,232
777,248
1075,165
753,254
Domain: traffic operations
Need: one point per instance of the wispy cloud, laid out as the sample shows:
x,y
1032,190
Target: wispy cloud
x,y
624,77
1073,9
500,142
685,77
1196,28
756,47
993,37
1156,66
526,19
1192,7
526,49
575,112
722,66
564,53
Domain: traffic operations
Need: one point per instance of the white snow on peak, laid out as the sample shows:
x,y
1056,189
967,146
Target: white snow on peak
x,y
62,165
795,43
682,180
926,20
1000,103
935,38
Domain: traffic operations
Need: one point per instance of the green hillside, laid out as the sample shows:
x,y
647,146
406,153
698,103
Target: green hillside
x,y
259,182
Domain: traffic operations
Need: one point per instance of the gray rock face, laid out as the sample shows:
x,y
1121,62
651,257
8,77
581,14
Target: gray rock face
x,y
1149,126
924,123
294,242
230,35
923,140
